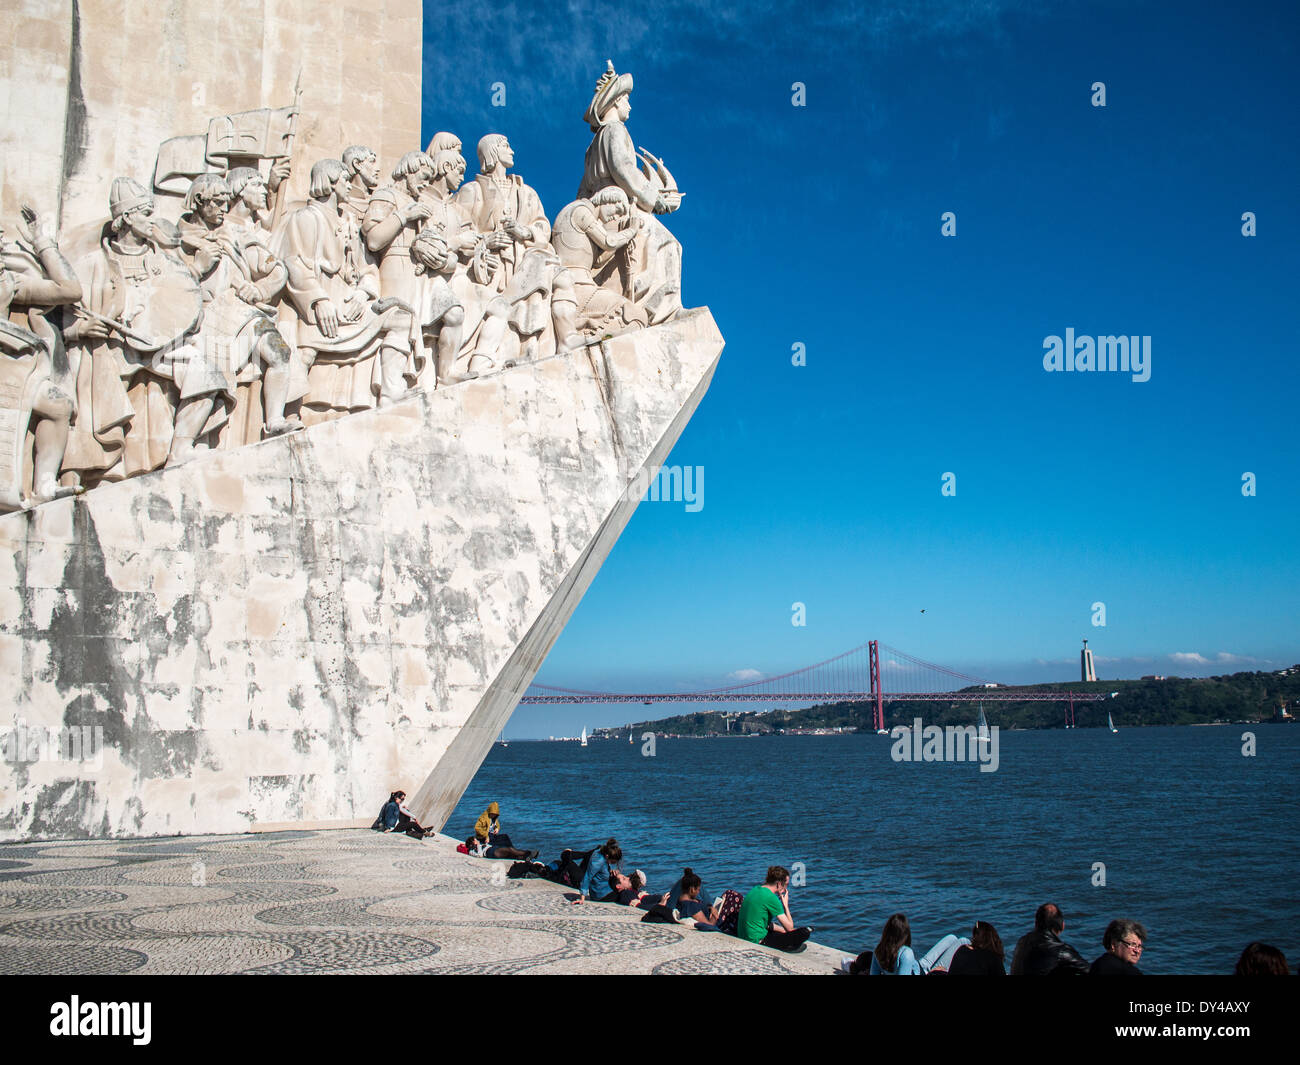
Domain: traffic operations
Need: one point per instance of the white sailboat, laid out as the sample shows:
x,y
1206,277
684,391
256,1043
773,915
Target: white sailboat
x,y
982,729
1110,723
583,742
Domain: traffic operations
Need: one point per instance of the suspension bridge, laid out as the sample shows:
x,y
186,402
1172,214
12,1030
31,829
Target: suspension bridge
x,y
853,676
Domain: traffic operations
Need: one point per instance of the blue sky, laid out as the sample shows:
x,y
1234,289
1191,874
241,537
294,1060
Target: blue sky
x,y
820,225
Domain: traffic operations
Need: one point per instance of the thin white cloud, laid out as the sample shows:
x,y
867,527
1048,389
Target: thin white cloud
x,y
1227,658
1190,658
743,676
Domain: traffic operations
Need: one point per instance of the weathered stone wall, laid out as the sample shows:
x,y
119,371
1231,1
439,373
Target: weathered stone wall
x,y
287,632
90,88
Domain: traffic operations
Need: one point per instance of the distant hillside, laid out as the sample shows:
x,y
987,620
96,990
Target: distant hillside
x,y
1172,701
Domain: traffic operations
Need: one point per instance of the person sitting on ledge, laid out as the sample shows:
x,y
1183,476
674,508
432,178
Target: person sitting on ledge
x,y
479,849
984,955
492,842
395,817
488,827
1259,959
688,904
765,915
1123,942
1042,952
893,954
595,884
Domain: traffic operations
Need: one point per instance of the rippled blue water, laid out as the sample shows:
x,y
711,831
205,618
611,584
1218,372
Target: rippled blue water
x,y
1200,843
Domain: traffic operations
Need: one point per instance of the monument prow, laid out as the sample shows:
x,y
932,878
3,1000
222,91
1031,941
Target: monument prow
x,y
328,615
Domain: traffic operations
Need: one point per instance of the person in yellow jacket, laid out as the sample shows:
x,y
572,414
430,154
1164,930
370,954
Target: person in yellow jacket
x,y
488,825
491,841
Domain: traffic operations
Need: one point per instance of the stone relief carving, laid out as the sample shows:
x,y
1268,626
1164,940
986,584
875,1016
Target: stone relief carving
x,y
332,314
145,389
595,240
251,317
36,381
508,214
238,277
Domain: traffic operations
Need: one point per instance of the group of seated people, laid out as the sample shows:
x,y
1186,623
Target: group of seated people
x,y
1041,952
763,915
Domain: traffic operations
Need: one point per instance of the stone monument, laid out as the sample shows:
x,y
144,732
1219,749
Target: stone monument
x,y
303,471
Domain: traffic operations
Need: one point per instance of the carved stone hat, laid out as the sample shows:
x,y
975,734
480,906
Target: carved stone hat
x,y
126,195
610,89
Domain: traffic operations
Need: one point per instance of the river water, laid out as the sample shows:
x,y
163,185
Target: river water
x,y
1198,841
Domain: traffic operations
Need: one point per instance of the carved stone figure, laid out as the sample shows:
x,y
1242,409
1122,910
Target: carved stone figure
x,y
37,387
258,401
362,165
509,215
332,315
239,277
443,142
502,206
449,249
392,220
612,160
594,240
145,391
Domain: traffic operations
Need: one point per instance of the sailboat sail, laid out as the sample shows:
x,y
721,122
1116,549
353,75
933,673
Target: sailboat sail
x,y
983,727
584,735
1110,723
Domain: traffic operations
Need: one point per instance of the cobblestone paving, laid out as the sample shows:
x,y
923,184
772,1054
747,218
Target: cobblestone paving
x,y
350,901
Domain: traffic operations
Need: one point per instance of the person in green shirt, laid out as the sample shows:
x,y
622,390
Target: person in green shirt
x,y
765,915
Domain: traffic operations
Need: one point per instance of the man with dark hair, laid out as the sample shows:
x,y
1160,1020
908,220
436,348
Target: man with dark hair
x,y
1123,942
1042,952
765,915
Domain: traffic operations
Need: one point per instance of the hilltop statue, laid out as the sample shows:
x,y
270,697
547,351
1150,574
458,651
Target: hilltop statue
x,y
37,386
612,161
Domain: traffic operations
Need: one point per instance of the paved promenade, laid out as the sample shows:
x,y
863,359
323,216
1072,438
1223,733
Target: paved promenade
x,y
346,901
